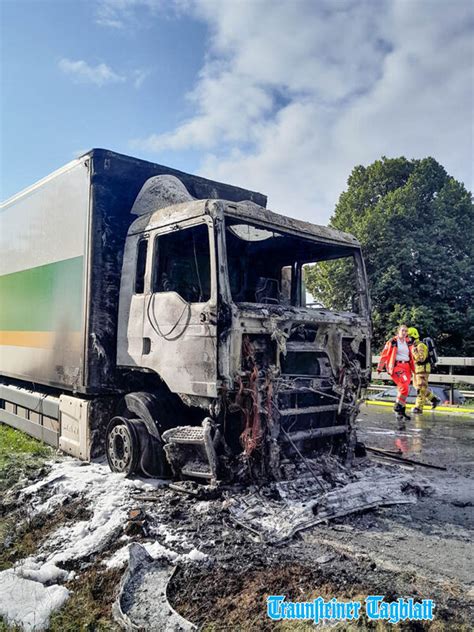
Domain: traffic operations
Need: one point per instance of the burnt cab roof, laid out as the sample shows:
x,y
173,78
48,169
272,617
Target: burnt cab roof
x,y
247,211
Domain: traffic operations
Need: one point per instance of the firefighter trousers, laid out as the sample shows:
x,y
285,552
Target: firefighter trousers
x,y
423,392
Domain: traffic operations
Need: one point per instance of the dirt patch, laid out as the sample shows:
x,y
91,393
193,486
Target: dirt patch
x,y
21,540
224,598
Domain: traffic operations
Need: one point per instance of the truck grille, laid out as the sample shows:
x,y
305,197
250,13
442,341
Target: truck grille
x,y
302,409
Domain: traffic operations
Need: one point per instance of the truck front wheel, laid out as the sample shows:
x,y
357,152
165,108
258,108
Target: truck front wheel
x,y
122,446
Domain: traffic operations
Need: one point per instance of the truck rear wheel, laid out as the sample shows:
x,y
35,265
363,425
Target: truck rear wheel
x,y
122,446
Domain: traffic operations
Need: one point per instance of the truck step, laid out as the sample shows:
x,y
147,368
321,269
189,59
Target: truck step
x,y
197,469
191,450
191,435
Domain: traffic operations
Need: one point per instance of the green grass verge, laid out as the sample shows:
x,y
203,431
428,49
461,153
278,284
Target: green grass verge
x,y
15,442
21,458
5,627
20,455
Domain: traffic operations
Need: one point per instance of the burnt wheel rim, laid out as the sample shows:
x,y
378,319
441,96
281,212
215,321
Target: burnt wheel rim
x,y
122,446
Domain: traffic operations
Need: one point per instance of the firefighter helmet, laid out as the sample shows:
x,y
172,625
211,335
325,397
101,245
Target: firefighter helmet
x,y
413,333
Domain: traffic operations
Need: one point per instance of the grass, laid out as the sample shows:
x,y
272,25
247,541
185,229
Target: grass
x,y
25,538
15,442
90,603
5,627
19,455
92,591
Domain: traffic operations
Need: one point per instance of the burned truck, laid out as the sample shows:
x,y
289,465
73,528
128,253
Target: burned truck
x,y
164,318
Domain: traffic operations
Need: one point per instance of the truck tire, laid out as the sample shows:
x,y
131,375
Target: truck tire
x,y
145,413
122,446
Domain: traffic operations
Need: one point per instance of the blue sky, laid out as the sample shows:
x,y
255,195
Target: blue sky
x,y
282,96
51,111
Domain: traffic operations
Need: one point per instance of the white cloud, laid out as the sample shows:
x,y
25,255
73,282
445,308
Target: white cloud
x,y
121,14
139,77
293,95
81,71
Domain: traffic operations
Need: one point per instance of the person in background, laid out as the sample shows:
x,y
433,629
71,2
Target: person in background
x,y
422,372
397,359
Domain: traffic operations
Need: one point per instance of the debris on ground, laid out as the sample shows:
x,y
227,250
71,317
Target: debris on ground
x,y
231,545
106,524
299,504
142,603
70,545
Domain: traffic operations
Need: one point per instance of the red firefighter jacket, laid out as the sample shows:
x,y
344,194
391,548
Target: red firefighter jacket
x,y
389,355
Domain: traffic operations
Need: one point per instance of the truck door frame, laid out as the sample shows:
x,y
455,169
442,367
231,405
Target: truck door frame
x,y
187,361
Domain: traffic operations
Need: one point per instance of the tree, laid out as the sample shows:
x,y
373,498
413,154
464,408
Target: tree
x,y
416,227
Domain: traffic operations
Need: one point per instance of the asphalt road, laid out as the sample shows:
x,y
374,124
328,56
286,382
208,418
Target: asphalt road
x,y
446,440
432,538
419,550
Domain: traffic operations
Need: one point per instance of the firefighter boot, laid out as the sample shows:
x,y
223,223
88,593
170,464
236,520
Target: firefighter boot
x,y
434,402
401,411
398,409
404,413
417,411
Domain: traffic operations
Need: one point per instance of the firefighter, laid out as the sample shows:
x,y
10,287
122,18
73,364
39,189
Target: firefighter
x,y
397,359
422,372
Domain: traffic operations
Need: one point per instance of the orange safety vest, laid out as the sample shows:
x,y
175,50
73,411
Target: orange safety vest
x,y
389,355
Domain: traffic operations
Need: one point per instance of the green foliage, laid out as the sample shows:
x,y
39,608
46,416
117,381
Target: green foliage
x,y
332,283
416,227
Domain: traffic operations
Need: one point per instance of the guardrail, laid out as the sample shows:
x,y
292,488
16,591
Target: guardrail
x,y
440,378
380,387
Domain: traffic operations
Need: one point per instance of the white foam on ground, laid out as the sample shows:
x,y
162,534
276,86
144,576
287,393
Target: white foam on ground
x,y
47,573
108,495
169,537
195,555
105,493
121,557
28,603
29,593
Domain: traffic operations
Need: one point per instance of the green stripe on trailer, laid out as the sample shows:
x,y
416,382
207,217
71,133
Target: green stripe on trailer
x,y
45,298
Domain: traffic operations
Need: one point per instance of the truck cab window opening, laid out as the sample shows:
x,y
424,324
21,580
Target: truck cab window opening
x,y
197,268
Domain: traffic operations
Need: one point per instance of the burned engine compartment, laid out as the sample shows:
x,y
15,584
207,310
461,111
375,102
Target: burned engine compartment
x,y
296,393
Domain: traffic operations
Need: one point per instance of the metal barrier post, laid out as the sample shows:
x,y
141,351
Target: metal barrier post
x,y
451,387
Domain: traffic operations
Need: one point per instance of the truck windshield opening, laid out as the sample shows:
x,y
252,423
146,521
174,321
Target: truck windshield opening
x,y
273,267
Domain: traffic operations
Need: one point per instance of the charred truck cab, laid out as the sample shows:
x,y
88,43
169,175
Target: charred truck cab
x,y
165,319
213,301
